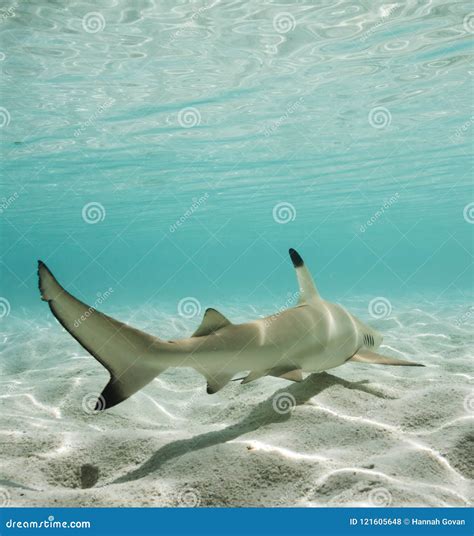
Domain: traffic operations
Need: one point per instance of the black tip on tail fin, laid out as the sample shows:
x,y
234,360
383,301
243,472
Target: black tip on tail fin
x,y
295,258
112,395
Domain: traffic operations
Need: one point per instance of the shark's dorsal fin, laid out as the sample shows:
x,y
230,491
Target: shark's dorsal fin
x,y
308,290
212,321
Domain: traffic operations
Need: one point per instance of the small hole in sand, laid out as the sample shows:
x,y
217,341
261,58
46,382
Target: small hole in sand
x,y
89,475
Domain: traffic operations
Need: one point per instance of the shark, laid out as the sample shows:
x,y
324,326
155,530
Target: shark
x,y
313,336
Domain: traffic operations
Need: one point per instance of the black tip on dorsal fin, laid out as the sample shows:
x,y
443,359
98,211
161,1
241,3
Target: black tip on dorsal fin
x,y
295,258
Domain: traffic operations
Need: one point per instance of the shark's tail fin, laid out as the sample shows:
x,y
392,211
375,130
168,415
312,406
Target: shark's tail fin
x,y
127,353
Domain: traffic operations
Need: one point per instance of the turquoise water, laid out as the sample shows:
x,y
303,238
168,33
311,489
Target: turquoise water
x,y
169,150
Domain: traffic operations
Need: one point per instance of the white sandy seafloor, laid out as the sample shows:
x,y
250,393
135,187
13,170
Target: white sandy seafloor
x,y
358,435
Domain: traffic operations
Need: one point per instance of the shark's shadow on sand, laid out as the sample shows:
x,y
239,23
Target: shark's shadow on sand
x,y
261,415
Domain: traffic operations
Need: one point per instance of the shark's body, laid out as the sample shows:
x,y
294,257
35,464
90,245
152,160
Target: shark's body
x,y
315,335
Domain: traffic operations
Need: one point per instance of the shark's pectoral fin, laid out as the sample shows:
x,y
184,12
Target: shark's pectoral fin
x,y
308,290
217,382
124,351
295,375
254,375
212,321
366,356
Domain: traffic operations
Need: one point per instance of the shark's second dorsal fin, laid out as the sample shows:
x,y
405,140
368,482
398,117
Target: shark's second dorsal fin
x,y
308,290
212,321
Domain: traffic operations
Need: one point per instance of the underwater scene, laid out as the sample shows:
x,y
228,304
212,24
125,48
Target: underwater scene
x,y
160,158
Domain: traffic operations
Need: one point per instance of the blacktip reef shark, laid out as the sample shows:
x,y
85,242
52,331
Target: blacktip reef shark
x,y
313,336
